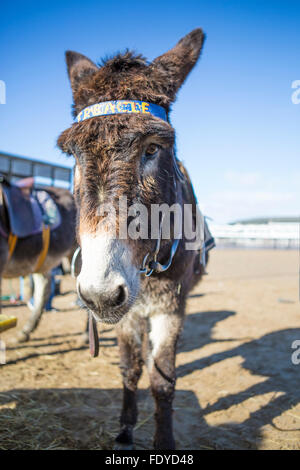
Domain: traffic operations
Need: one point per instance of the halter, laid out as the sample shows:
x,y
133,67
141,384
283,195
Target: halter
x,y
149,265
106,108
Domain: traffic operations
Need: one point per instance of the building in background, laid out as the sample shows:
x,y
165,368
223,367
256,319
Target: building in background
x,y
14,167
273,232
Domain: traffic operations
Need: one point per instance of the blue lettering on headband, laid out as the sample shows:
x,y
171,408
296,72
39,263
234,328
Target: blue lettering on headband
x,y
122,107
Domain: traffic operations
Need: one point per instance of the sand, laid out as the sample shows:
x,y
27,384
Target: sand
x,y
237,386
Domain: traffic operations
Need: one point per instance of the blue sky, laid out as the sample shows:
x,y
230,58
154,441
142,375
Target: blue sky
x,y
237,128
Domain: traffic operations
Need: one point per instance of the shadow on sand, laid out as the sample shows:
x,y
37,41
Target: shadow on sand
x,y
88,418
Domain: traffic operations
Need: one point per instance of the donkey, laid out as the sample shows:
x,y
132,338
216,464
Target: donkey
x,y
123,144
27,250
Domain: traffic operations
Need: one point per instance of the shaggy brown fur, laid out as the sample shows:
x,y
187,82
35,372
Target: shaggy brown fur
x,y
129,76
110,162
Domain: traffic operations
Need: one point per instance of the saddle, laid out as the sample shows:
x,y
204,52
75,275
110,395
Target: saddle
x,y
29,211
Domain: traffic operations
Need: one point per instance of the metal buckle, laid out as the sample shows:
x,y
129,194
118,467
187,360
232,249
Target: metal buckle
x,y
146,268
73,262
153,265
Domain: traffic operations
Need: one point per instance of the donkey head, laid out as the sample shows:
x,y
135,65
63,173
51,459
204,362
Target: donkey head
x,y
128,157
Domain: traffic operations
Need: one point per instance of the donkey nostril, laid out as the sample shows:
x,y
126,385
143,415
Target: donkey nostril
x,y
119,297
89,303
108,299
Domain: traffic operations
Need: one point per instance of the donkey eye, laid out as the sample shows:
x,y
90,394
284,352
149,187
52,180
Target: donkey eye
x,y
151,150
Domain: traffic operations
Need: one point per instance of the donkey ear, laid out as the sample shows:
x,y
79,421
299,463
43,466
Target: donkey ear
x,y
179,61
79,68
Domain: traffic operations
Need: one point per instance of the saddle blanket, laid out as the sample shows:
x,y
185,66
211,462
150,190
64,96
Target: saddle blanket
x,y
29,212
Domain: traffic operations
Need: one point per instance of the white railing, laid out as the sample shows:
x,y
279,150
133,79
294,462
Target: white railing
x,y
283,235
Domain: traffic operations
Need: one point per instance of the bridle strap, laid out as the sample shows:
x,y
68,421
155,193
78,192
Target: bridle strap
x,y
93,331
73,262
93,336
147,269
153,266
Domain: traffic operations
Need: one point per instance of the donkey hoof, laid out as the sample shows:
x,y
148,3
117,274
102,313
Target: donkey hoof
x,y
22,337
124,440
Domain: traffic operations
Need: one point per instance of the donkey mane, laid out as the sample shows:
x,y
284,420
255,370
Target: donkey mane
x,y
125,76
121,61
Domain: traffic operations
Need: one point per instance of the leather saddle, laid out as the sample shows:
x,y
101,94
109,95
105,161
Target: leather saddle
x,y
28,211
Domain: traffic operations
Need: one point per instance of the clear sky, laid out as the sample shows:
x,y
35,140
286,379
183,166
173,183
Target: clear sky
x,y
237,128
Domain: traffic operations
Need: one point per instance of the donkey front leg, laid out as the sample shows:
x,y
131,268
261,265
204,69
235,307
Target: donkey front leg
x,y
42,287
130,335
163,336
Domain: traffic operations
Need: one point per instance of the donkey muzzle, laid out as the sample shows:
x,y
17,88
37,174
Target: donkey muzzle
x,y
108,282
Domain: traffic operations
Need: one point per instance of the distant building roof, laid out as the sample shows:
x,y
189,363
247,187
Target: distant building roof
x,y
266,220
